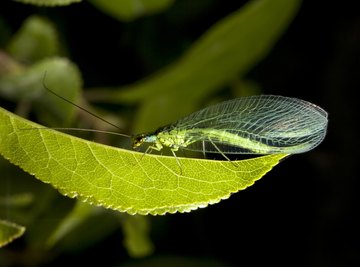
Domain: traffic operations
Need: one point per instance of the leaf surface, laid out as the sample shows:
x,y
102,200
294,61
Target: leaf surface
x,y
9,231
121,179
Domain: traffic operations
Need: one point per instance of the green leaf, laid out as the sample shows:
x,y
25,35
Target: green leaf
x,y
79,213
49,2
73,230
36,39
121,179
136,230
83,227
28,85
27,200
16,200
9,231
229,49
127,10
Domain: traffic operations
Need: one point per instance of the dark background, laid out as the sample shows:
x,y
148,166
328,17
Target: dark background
x,y
300,214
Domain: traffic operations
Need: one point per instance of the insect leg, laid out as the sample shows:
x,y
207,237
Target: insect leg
x,y
222,154
203,146
149,149
177,160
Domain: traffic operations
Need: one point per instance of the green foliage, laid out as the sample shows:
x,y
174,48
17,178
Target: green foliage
x,y
9,231
121,179
136,230
27,85
229,49
35,40
127,10
49,2
113,177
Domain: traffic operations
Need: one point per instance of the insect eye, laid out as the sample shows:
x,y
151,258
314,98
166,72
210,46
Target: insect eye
x,y
137,141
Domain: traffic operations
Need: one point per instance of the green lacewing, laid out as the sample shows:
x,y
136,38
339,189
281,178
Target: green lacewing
x,y
264,124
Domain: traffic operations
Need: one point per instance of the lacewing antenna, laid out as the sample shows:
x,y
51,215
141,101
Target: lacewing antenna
x,y
78,106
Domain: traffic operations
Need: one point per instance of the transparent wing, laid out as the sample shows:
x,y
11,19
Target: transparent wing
x,y
280,124
218,147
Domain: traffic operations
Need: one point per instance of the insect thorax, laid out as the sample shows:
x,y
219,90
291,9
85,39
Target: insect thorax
x,y
172,139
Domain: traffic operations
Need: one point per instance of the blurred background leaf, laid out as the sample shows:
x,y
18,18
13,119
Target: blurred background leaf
x,y
28,88
35,40
137,235
227,50
48,2
9,231
127,10
30,64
